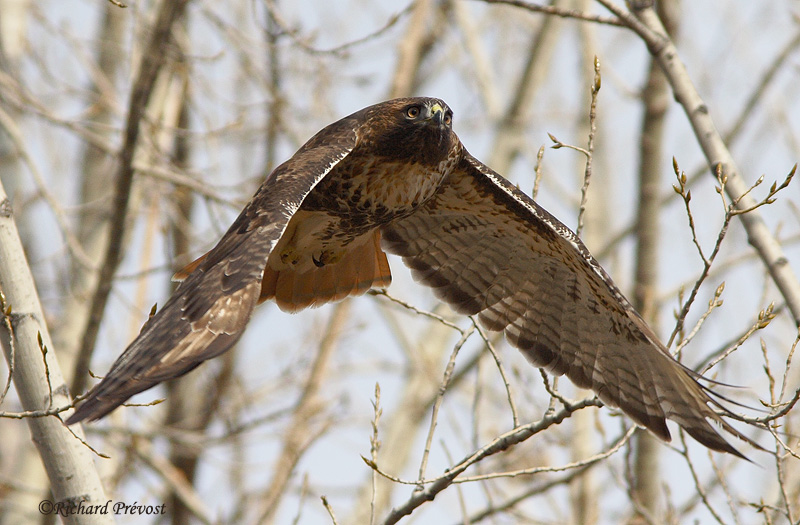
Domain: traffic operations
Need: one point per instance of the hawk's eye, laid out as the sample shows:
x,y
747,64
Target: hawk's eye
x,y
412,112
448,118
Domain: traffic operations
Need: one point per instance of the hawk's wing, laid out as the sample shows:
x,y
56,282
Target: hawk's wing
x,y
210,309
488,249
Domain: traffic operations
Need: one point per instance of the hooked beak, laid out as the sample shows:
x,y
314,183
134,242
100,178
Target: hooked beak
x,y
437,114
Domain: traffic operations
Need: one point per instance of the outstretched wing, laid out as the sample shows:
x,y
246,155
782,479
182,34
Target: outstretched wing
x,y
210,309
489,250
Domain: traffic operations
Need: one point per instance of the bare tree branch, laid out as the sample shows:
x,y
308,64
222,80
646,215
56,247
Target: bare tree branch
x,y
37,377
501,443
645,23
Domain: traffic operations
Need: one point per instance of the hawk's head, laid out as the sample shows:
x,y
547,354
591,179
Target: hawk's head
x,y
418,129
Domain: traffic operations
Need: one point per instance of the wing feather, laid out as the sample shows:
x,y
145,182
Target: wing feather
x,y
209,310
488,249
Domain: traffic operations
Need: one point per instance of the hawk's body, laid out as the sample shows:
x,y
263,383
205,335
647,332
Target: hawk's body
x,y
395,177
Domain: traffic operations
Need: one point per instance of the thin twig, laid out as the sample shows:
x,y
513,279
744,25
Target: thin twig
x,y
35,413
686,195
721,477
503,375
731,210
553,391
43,350
538,171
5,311
613,449
762,321
698,485
341,48
448,372
788,365
587,175
499,444
512,502
713,303
560,12
416,310
374,446
329,509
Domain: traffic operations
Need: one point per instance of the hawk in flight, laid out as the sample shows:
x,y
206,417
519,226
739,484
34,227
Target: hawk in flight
x,y
395,178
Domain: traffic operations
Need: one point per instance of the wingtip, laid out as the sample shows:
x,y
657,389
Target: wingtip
x,y
721,445
76,417
90,410
98,403
713,440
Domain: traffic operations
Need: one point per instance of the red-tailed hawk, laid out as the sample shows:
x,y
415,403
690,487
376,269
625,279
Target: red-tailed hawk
x,y
395,177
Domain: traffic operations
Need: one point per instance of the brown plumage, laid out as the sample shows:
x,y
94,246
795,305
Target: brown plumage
x,y
395,177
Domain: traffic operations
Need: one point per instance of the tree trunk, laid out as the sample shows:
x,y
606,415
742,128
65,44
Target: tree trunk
x,y
655,99
38,381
